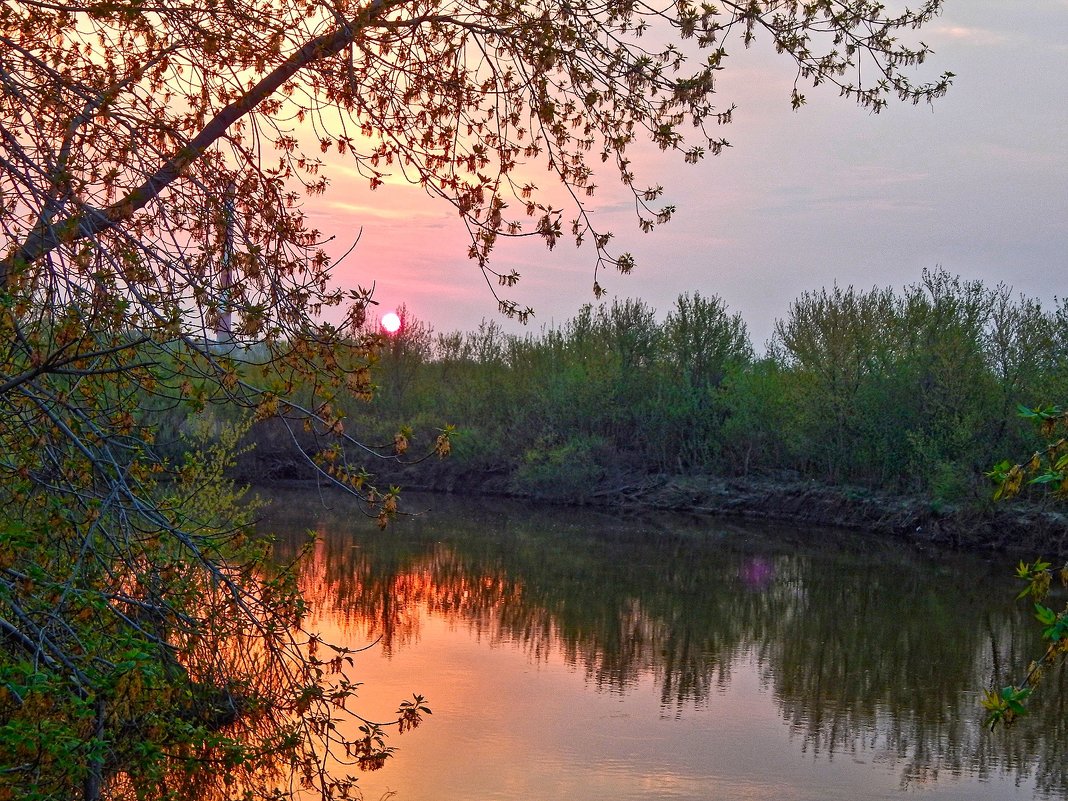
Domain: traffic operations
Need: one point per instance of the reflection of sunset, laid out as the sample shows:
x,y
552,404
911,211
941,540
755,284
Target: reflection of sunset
x,y
366,606
663,660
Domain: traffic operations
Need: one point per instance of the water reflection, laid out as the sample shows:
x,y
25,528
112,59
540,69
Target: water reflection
x,y
871,652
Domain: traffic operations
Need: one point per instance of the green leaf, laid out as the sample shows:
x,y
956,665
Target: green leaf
x,y
1045,615
1046,478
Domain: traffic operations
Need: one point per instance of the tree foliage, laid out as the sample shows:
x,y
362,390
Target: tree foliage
x,y
905,391
151,648
1047,468
154,160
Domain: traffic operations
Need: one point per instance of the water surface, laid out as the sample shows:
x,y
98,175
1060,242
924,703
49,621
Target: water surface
x,y
571,654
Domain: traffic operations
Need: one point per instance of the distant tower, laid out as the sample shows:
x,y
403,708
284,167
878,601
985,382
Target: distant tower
x,y
224,321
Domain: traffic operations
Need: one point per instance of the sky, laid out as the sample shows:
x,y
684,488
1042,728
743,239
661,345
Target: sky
x,y
976,184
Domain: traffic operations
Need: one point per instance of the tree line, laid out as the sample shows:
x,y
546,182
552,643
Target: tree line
x,y
909,391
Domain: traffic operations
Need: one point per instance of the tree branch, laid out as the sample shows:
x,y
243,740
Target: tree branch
x,y
90,222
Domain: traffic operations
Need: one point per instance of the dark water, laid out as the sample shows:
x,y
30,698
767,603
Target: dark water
x,y
578,655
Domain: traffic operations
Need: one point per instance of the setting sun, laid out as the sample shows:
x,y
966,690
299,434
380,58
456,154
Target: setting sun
x,y
391,323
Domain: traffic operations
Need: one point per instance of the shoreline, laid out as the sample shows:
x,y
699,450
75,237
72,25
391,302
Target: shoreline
x,y
1010,527
1017,527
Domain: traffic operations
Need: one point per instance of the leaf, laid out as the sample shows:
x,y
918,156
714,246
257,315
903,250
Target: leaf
x,y
1045,615
1026,412
1045,478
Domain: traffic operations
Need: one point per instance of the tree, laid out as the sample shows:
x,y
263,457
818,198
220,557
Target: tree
x,y
835,342
702,344
153,159
703,341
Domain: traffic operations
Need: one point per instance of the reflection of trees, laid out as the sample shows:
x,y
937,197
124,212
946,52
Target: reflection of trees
x,y
867,650
881,657
381,599
547,590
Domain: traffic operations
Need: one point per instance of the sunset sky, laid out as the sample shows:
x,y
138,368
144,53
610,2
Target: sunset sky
x,y
977,184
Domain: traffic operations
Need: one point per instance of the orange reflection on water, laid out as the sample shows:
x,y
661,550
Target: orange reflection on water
x,y
352,601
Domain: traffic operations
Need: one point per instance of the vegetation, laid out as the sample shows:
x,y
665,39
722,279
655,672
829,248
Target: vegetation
x,y
152,164
907,392
1047,468
151,645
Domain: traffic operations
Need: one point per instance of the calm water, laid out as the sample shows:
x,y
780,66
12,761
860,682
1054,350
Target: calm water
x,y
573,655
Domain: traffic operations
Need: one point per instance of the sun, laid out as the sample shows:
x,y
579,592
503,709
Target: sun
x,y
391,323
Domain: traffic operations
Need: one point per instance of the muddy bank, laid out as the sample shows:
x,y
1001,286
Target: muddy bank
x,y
1007,527
1028,529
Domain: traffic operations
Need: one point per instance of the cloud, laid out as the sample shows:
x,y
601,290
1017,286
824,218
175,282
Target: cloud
x,y
376,211
979,37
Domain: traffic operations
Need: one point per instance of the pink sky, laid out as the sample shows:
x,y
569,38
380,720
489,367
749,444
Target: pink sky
x,y
978,184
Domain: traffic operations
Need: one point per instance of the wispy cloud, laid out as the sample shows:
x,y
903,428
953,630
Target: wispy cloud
x,y
379,212
979,37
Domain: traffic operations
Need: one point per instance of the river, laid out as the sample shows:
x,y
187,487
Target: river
x,y
581,655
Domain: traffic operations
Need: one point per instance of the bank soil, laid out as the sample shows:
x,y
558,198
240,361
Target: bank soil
x,y
1031,529
1016,526
1006,527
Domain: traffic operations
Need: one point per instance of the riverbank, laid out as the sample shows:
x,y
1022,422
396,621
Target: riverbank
x,y
1019,527
1009,527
